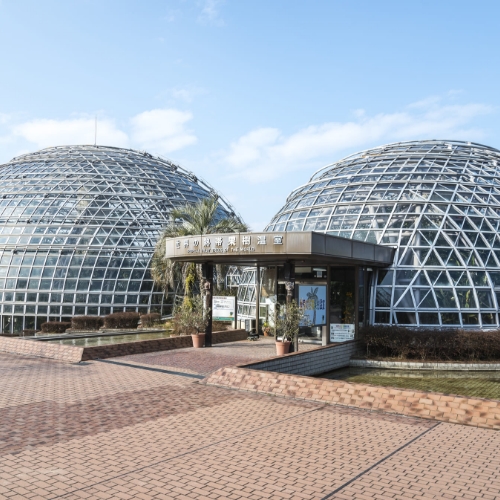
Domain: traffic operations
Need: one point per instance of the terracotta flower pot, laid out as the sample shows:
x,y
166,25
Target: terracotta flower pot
x,y
266,331
282,348
198,339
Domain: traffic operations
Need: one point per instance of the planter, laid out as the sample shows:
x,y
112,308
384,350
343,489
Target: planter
x,y
282,348
198,339
266,331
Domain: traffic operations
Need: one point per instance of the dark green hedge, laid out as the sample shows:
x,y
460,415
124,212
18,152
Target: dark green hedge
x,y
55,326
122,320
87,323
149,320
430,344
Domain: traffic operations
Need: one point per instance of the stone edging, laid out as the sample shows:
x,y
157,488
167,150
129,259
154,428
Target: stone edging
x,y
435,406
74,354
423,365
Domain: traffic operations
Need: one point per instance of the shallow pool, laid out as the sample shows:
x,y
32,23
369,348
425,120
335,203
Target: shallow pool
x,y
476,384
110,339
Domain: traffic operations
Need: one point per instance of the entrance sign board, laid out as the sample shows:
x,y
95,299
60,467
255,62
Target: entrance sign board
x,y
223,308
312,301
341,333
276,248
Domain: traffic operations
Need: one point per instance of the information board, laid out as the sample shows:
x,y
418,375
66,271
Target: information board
x,y
341,333
223,308
312,301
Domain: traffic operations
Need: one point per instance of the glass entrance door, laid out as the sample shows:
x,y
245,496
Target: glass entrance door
x,y
342,303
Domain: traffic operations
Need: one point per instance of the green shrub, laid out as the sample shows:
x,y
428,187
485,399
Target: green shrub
x,y
92,323
55,326
122,320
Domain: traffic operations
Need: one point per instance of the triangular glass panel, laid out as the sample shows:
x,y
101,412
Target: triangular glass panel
x,y
421,254
460,278
424,298
496,243
421,280
466,255
466,298
404,277
489,237
454,210
433,275
454,260
408,259
430,236
449,224
441,241
492,262
445,298
468,226
462,242
477,221
481,242
483,255
403,298
432,259
444,253
435,209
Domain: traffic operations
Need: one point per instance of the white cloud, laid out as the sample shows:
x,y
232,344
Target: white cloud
x,y
210,13
186,94
266,153
162,130
45,133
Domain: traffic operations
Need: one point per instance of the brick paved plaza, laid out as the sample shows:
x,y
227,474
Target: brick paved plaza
x,y
143,427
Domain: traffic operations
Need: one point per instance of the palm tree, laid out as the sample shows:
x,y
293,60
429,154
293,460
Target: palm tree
x,y
202,217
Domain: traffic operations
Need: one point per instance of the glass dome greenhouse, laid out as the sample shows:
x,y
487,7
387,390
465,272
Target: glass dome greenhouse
x,y
438,203
78,226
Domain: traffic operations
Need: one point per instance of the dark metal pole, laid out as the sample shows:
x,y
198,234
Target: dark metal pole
x,y
257,299
209,285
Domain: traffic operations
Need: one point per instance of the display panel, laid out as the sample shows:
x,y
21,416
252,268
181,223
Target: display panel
x,y
312,301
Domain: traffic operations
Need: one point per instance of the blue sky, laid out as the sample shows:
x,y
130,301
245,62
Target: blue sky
x,y
253,96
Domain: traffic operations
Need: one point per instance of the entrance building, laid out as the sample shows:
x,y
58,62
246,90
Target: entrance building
x,y
328,276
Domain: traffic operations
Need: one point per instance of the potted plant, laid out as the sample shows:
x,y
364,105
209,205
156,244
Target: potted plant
x,y
287,326
191,318
266,329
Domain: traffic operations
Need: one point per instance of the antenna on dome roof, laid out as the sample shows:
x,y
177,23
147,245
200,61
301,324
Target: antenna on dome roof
x,y
95,131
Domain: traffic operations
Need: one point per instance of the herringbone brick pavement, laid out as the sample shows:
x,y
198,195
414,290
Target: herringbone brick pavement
x,y
102,430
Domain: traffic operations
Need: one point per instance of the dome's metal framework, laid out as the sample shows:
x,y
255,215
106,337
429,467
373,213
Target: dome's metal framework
x,y
438,202
78,226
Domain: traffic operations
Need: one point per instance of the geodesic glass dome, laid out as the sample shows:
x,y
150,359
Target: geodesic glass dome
x,y
78,226
438,203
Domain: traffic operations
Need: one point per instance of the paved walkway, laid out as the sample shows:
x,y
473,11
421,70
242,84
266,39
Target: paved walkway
x,y
205,361
126,431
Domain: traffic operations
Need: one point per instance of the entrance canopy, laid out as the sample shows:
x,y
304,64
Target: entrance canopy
x,y
268,249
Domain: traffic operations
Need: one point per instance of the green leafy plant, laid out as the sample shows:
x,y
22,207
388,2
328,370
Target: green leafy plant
x,y
190,317
203,217
288,321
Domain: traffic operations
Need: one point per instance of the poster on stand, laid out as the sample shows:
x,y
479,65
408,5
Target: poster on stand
x,y
341,332
223,308
312,301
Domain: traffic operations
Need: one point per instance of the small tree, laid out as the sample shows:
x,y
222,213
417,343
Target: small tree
x,y
190,317
288,321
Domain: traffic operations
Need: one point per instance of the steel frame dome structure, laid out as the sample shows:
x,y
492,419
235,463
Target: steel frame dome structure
x,y
78,227
438,203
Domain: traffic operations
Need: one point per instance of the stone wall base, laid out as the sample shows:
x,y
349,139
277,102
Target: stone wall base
x,y
315,362
435,406
424,365
73,354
